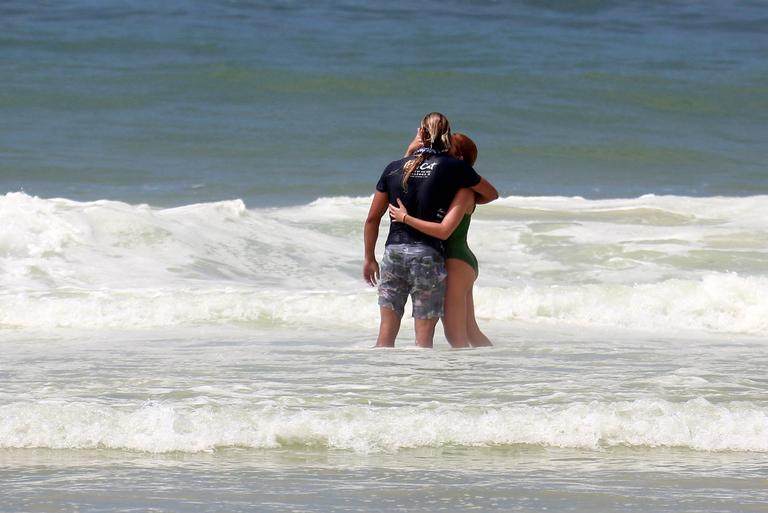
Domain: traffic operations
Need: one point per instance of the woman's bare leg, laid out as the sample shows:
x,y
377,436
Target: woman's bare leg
x,y
461,276
476,337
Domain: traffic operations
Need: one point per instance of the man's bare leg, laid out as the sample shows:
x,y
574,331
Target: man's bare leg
x,y
425,331
388,327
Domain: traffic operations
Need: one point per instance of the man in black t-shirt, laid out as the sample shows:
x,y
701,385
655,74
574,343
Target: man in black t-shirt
x,y
413,263
430,190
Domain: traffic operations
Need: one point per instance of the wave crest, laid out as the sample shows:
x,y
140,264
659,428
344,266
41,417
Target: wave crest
x,y
654,261
154,427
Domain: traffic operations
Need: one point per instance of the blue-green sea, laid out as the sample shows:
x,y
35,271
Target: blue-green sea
x,y
283,102
183,322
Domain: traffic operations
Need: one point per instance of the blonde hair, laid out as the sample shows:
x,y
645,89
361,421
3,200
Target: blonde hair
x,y
435,134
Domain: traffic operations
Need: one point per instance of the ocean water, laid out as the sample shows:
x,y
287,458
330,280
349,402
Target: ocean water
x,y
183,322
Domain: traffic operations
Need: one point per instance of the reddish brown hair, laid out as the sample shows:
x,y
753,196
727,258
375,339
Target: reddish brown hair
x,y
464,147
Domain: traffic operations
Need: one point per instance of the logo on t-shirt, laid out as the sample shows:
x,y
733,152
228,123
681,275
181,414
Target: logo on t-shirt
x,y
424,170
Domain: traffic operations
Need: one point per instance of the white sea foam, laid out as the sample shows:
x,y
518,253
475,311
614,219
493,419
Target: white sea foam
x,y
724,303
654,261
146,308
717,303
156,427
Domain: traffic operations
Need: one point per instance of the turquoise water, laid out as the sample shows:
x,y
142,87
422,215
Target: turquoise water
x,y
283,103
183,323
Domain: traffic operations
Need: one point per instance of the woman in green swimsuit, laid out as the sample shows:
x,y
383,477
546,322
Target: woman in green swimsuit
x,y
459,321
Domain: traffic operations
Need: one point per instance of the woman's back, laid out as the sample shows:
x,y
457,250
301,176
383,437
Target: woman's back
x,y
456,245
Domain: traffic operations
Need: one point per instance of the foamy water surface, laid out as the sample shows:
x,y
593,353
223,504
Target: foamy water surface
x,y
617,323
695,264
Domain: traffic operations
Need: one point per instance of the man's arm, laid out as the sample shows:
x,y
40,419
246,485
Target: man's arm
x,y
415,144
485,192
379,205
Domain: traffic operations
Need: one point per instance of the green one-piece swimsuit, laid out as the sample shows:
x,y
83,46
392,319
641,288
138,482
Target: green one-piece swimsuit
x,y
456,245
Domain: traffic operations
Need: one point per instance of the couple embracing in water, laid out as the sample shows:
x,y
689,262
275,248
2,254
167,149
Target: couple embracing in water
x,y
430,195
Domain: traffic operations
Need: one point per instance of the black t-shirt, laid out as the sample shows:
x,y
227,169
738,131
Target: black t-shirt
x,y
430,191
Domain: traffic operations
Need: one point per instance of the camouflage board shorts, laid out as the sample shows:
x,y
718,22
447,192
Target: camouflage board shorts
x,y
416,270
